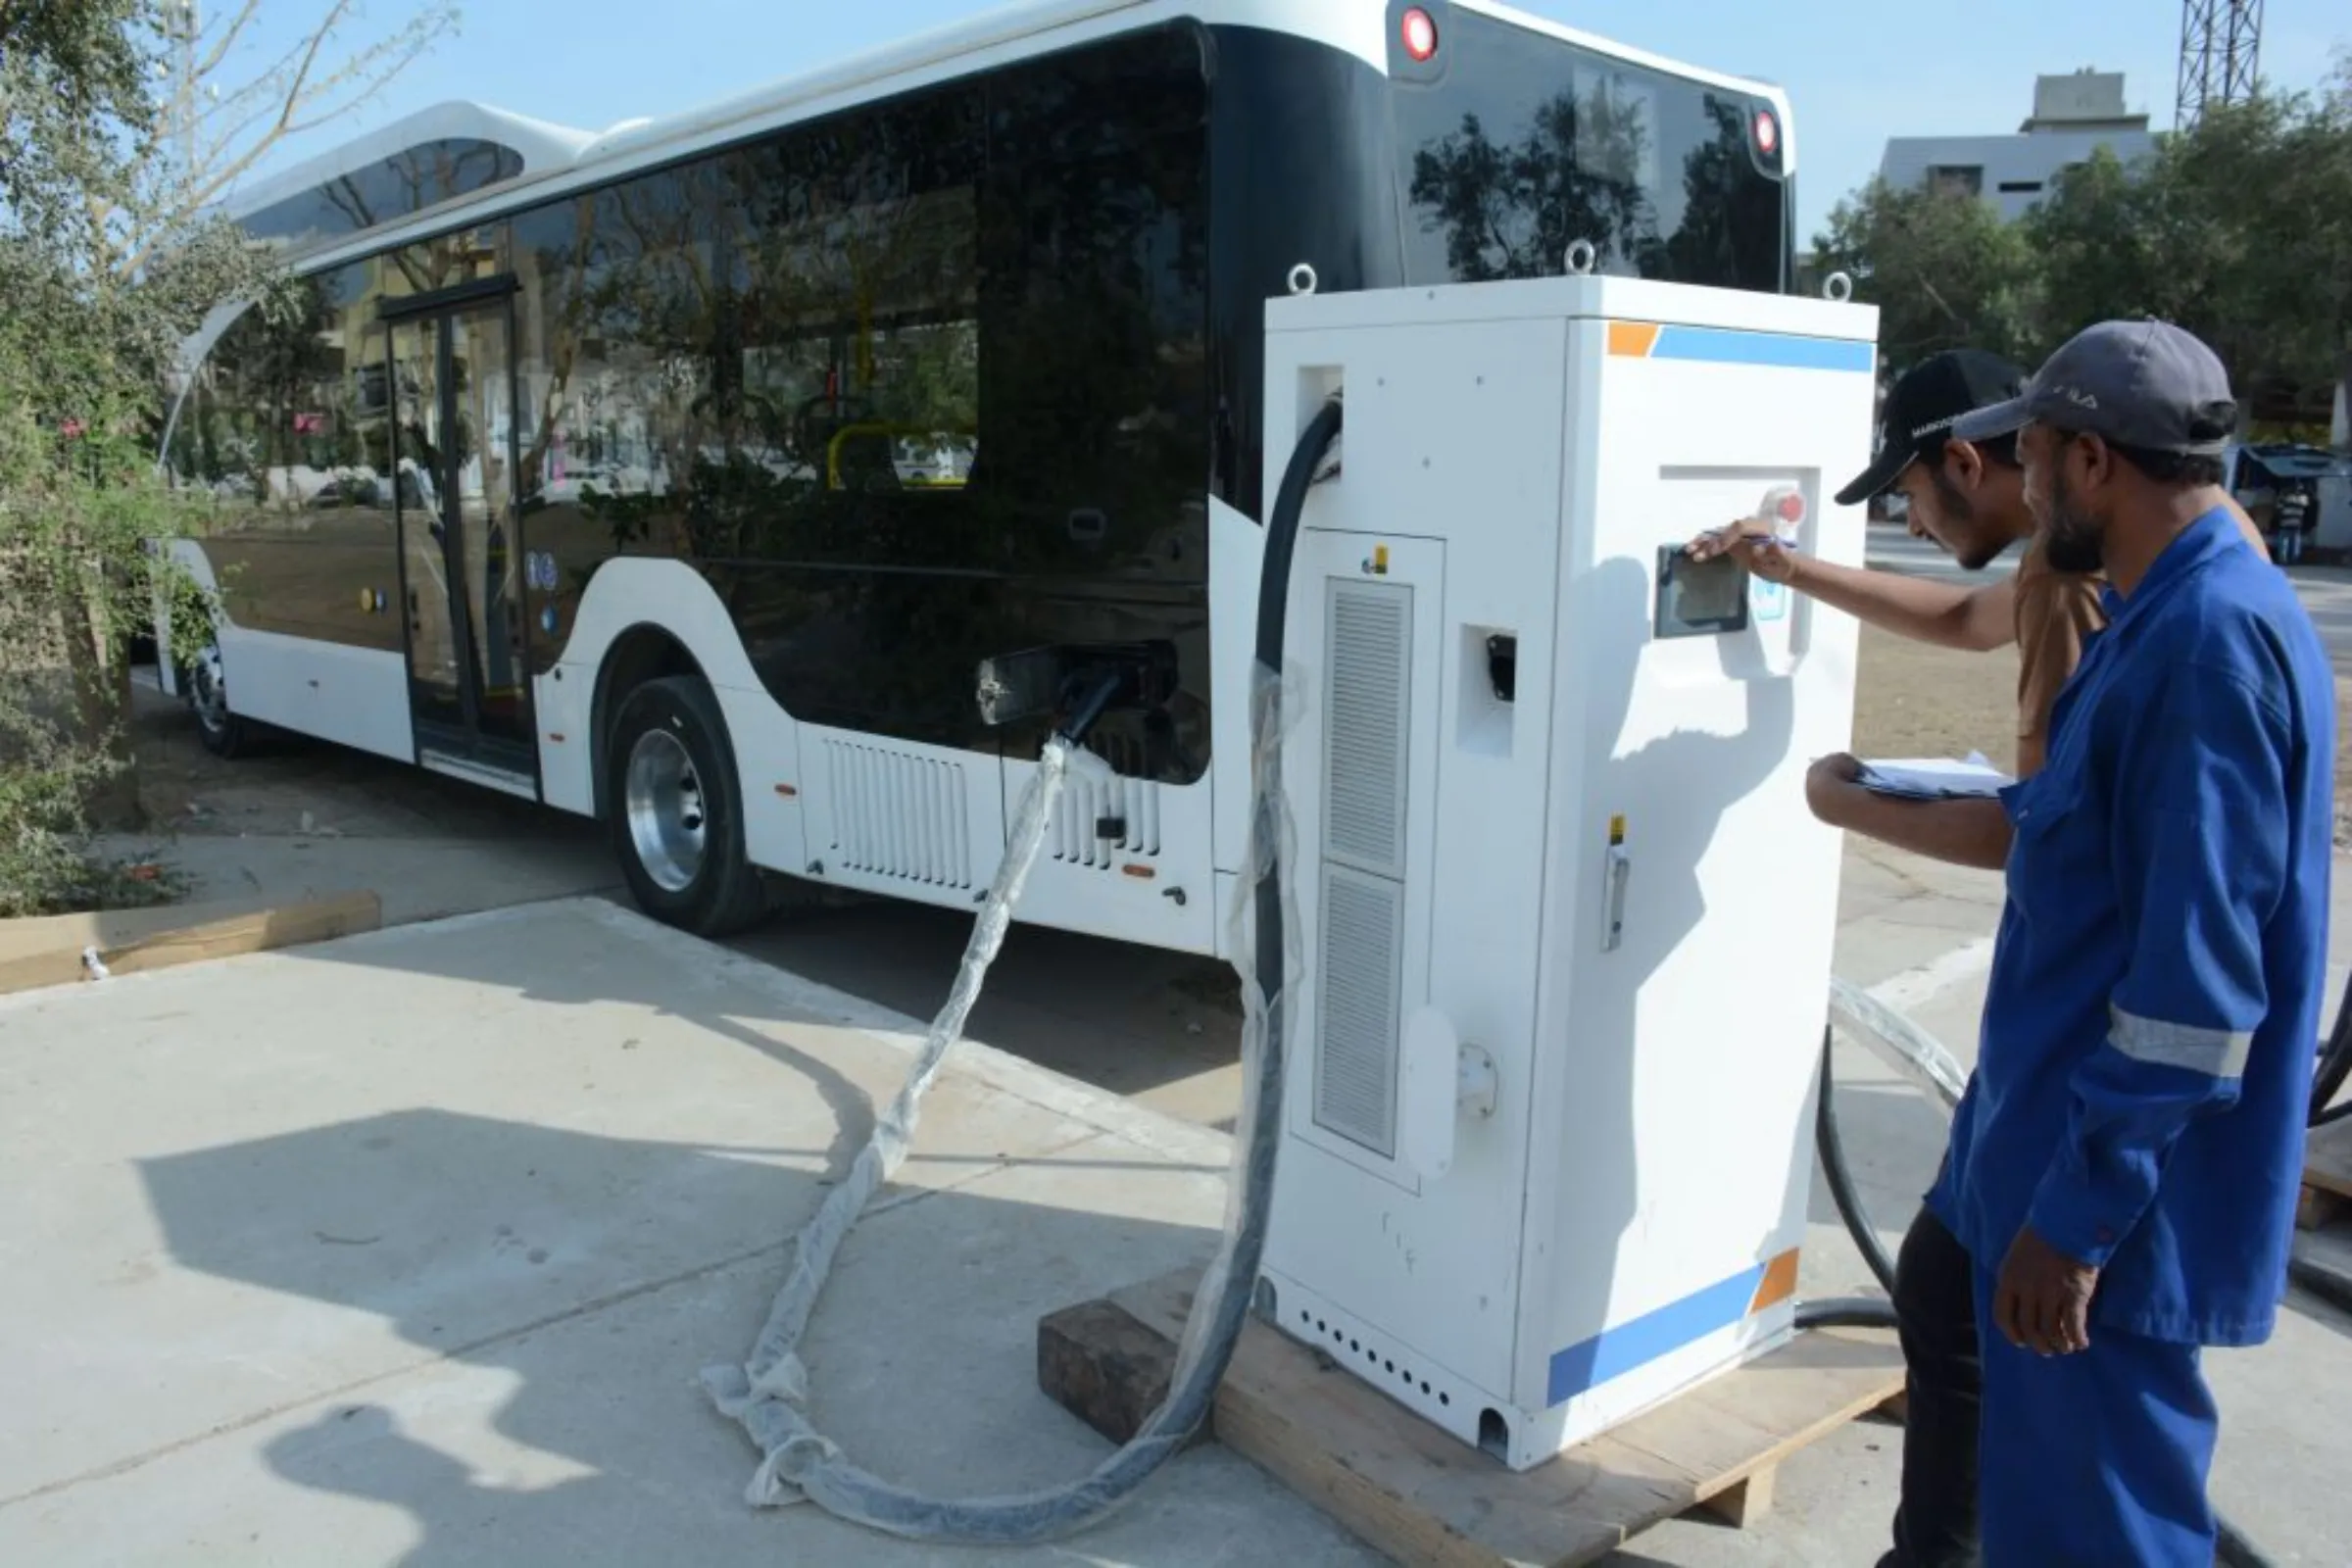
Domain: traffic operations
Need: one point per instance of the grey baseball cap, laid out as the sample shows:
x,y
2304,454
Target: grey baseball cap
x,y
2146,385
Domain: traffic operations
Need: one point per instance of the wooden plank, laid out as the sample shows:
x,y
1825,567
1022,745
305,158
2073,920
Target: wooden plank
x,y
2327,1158
1105,1367
1744,1506
2321,1263
129,945
2317,1208
1427,1500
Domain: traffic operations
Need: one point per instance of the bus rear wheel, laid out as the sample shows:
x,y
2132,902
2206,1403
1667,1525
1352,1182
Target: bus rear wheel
x,y
674,808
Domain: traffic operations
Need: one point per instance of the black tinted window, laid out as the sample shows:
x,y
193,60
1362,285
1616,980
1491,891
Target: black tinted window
x,y
735,356
852,341
409,182
1527,144
912,385
1097,243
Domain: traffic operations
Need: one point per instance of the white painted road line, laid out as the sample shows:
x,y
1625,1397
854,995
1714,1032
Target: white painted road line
x,y
1924,983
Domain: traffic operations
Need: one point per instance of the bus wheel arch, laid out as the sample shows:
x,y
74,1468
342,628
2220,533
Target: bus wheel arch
x,y
669,789
642,654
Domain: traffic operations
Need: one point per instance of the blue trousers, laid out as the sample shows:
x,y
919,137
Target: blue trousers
x,y
2094,1459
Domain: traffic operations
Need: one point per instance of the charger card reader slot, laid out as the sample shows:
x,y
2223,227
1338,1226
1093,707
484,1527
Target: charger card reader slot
x,y
1699,598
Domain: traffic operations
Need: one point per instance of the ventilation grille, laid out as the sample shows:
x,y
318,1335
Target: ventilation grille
x,y
1368,659
1355,1012
1125,752
1367,662
1085,802
898,817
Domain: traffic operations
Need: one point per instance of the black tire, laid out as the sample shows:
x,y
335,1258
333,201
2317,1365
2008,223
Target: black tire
x,y
687,795
2335,1061
203,685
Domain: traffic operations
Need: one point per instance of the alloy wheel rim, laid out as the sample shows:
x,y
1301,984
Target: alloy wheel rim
x,y
669,818
212,690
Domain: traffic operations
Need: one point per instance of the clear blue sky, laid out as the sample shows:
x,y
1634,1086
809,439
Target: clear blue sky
x,y
1854,76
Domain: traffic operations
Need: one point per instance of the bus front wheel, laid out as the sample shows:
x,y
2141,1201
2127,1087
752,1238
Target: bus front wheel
x,y
206,684
675,807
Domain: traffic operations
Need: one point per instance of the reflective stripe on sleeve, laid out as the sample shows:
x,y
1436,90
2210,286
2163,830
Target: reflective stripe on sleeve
x,y
2215,1052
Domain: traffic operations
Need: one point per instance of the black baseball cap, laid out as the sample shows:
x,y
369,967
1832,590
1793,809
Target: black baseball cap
x,y
1923,407
2146,385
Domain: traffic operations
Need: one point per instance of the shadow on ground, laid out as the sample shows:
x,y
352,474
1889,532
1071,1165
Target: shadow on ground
x,y
442,1227
551,1259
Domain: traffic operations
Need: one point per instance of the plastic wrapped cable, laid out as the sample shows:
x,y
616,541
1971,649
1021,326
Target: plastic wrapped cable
x,y
768,1393
1920,1058
1903,1044
765,1391
1257,1132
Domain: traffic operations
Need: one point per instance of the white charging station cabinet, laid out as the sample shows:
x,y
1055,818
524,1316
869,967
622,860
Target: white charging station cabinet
x,y
1566,922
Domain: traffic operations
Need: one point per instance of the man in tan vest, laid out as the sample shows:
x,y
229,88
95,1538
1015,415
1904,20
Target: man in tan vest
x,y
1970,499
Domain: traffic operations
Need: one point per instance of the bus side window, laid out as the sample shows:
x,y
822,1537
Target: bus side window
x,y
1095,319
857,285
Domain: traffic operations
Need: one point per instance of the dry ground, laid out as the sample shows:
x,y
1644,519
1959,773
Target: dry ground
x,y
1917,701
297,788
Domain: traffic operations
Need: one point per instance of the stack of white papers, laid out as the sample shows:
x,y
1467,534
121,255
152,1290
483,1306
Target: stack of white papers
x,y
1935,778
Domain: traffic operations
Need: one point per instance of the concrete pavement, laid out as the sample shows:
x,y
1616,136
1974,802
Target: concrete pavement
x,y
409,1249
223,1359
418,1269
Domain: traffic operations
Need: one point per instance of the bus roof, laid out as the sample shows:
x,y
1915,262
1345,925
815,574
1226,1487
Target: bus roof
x,y
549,153
541,145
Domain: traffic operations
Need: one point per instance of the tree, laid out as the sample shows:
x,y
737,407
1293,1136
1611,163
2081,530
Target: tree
x,y
214,127
2241,230
68,75
1943,268
110,256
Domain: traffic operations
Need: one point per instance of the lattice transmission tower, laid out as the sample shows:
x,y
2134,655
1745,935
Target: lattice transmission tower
x,y
2221,43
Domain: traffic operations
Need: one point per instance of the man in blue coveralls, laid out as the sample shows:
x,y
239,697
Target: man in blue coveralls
x,y
2124,1164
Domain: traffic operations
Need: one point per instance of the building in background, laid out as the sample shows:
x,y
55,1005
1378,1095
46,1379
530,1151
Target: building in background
x,y
2072,117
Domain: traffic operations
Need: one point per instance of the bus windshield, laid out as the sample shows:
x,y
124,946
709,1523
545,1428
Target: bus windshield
x,y
1523,144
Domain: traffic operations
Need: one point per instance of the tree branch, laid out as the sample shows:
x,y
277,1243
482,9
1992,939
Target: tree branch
x,y
290,98
211,63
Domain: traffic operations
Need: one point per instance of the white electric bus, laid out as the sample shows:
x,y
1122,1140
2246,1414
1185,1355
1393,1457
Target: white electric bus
x,y
683,475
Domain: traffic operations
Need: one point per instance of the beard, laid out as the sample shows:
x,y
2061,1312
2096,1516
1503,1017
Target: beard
x,y
1960,533
2074,541
1977,557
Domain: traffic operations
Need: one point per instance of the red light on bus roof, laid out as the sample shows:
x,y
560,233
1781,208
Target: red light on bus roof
x,y
1420,35
1768,133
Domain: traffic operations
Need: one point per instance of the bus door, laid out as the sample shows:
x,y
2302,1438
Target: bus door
x,y
460,557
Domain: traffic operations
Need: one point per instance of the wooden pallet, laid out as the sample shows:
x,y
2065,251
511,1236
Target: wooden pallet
x,y
2321,1260
1427,1500
2327,1176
